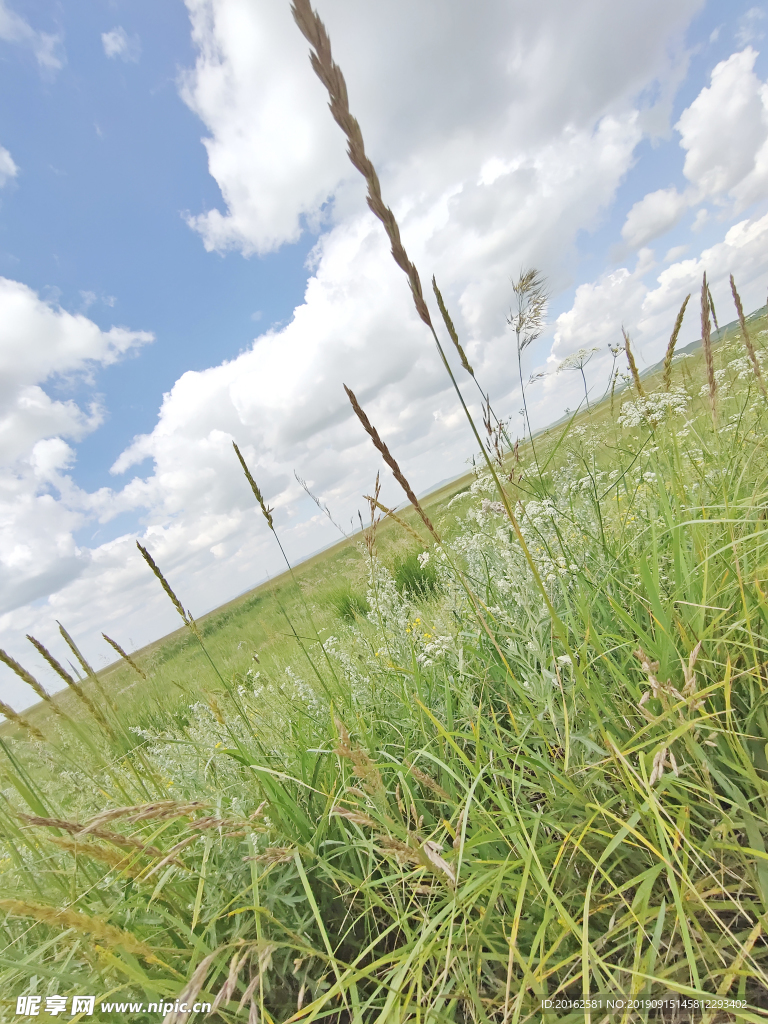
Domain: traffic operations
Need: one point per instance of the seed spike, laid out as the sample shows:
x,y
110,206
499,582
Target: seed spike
x,y
390,461
255,488
706,341
87,668
163,582
746,338
29,679
393,515
20,721
451,329
712,308
71,683
667,377
126,657
632,364
330,74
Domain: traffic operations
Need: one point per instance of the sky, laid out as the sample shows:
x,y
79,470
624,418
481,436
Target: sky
x,y
187,259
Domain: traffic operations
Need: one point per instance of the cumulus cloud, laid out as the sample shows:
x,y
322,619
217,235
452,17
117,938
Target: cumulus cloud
x,y
527,76
501,165
40,508
8,168
653,215
117,43
647,308
725,133
47,47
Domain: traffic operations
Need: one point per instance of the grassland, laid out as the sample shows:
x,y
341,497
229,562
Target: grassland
x,y
522,759
535,767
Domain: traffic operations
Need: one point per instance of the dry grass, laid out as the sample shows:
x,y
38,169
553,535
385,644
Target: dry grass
x,y
670,353
706,344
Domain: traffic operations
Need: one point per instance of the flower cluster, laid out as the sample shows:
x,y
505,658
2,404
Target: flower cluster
x,y
654,409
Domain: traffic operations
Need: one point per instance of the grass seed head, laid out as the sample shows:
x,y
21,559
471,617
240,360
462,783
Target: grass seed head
x,y
706,341
163,582
668,356
330,74
76,828
393,515
28,678
21,722
747,339
84,924
390,461
712,308
159,810
451,329
266,510
78,691
126,657
632,365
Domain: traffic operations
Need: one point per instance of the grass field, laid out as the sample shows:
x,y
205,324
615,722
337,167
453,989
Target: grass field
x,y
513,775
522,758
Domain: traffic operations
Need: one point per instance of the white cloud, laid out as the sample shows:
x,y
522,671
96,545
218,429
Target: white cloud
x,y
500,165
725,133
117,43
47,47
626,298
8,168
701,218
526,77
673,255
41,344
749,26
653,215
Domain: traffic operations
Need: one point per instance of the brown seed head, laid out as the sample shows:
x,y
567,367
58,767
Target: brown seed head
x,y
29,679
393,515
126,657
667,376
84,924
746,338
330,74
20,721
451,329
71,683
163,582
267,512
632,364
706,341
390,461
89,671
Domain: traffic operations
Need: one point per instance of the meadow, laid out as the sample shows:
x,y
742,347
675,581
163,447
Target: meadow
x,y
510,748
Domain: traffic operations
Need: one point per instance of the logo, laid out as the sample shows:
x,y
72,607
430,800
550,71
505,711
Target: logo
x,y
29,1006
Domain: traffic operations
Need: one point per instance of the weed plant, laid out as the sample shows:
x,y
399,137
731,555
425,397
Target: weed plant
x,y
529,764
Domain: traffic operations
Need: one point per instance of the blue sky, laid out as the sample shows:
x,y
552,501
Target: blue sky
x,y
171,172
109,159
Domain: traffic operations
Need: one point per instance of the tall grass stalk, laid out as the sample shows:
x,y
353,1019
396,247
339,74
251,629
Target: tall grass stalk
x,y
706,344
670,353
748,345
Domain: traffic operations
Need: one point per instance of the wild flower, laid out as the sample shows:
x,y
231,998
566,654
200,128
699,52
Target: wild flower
x,y
527,320
651,410
577,361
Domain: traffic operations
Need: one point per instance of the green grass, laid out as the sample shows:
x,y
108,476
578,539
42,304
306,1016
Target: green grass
x,y
530,764
450,808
